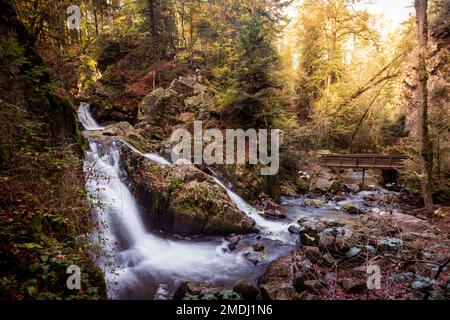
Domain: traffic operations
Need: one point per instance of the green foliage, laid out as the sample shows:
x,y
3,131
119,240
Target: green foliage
x,y
252,98
12,56
43,205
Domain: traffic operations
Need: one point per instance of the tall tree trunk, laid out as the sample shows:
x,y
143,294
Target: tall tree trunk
x,y
191,35
96,22
183,28
425,147
153,30
154,35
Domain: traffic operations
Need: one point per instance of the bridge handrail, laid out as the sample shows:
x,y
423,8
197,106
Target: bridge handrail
x,y
368,156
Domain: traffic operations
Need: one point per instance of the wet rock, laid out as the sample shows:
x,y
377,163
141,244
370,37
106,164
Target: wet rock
x,y
276,282
246,289
274,214
323,182
199,290
127,132
332,223
350,187
233,242
255,257
352,209
339,198
111,130
302,184
391,244
294,229
310,231
370,198
183,200
288,190
315,203
336,186
345,239
268,203
258,247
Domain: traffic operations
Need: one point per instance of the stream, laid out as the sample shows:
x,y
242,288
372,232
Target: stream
x,y
143,264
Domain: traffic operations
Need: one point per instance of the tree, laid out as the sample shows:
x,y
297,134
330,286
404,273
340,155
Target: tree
x,y
162,27
253,74
325,27
425,146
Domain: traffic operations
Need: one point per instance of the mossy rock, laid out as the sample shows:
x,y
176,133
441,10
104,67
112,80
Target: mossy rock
x,y
182,199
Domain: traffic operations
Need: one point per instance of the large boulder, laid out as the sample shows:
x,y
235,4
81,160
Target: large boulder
x,y
183,85
136,137
277,281
160,102
204,291
182,199
246,289
183,96
291,277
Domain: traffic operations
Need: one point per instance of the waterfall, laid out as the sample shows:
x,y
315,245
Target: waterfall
x,y
271,229
151,156
157,158
86,118
140,264
134,253
104,182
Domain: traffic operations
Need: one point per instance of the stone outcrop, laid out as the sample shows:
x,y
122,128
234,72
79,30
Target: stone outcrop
x,y
309,272
182,199
183,97
277,281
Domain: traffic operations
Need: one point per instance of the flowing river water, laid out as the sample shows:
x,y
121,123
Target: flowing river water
x,y
142,264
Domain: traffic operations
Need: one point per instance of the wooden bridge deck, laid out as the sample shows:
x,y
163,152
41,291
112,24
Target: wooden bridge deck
x,y
362,161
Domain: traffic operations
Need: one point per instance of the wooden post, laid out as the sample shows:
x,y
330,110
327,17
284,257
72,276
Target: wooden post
x,y
363,174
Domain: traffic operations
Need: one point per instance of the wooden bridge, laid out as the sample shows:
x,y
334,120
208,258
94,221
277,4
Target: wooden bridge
x,y
363,161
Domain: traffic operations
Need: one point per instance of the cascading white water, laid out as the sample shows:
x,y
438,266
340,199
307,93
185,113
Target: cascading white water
x,y
86,118
134,253
151,156
139,264
271,229
157,158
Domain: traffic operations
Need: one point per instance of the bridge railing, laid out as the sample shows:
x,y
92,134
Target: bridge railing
x,y
363,161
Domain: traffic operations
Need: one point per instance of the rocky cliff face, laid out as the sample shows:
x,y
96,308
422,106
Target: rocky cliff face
x,y
43,205
438,67
438,83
